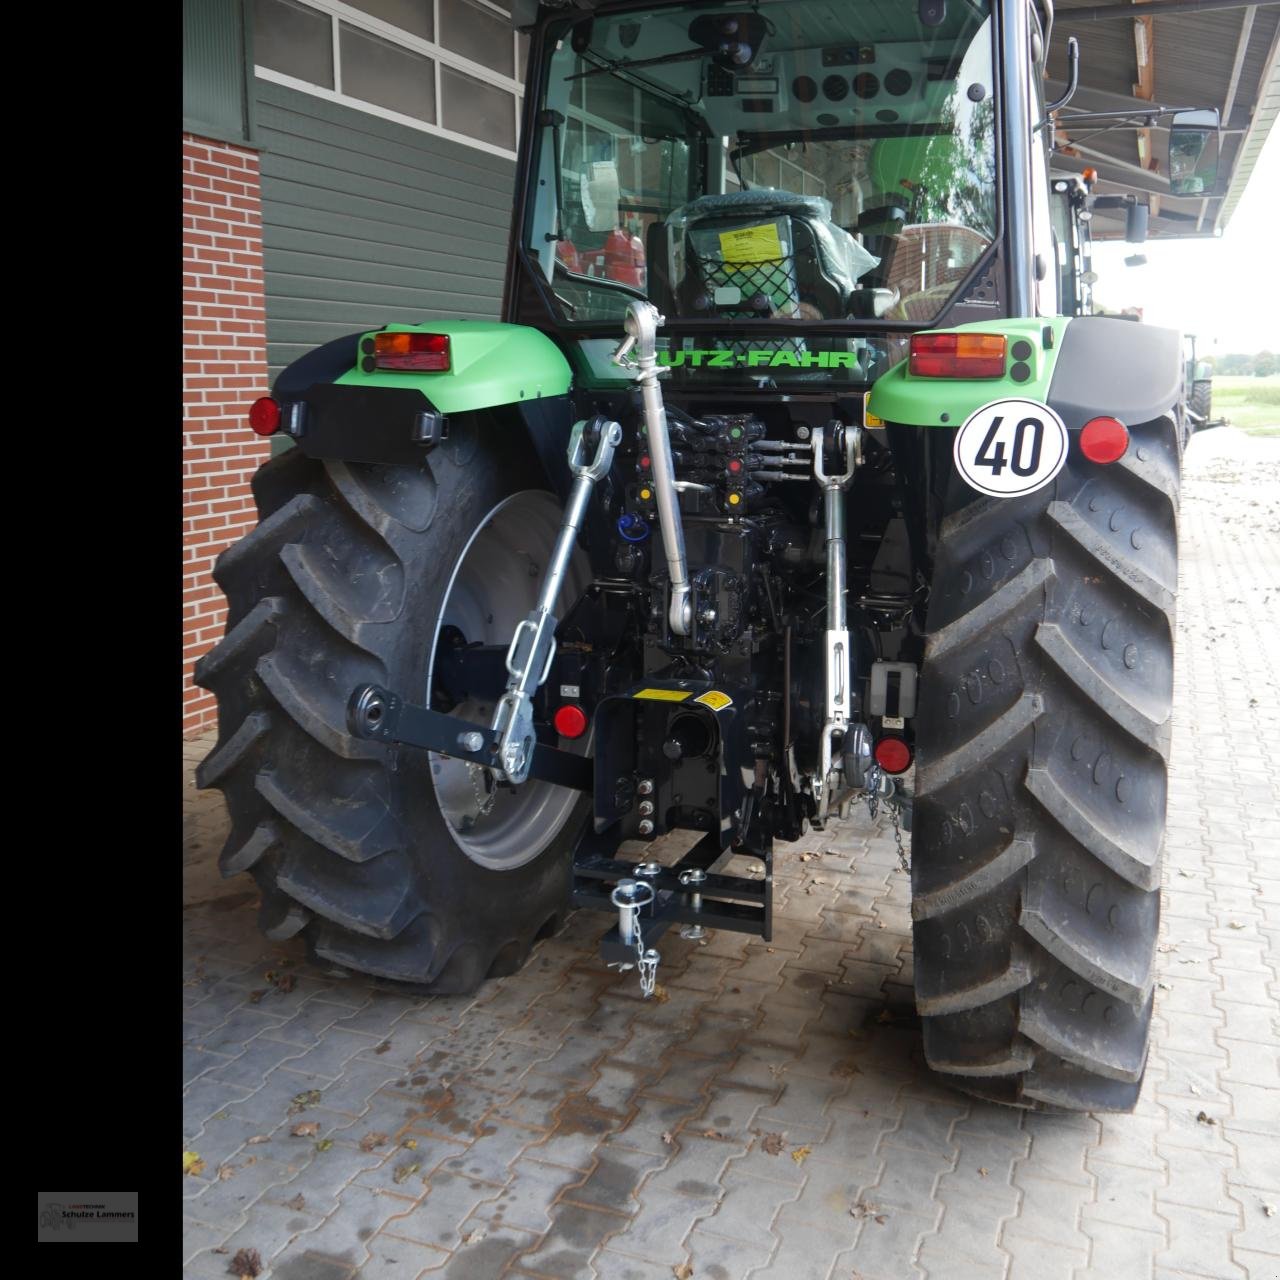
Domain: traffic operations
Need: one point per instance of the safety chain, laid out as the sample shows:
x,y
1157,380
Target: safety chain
x,y
894,807
647,964
476,772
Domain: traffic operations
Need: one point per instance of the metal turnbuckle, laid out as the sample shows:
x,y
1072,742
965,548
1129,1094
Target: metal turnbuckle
x,y
534,644
838,704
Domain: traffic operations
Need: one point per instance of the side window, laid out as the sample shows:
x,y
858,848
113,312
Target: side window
x,y
1047,302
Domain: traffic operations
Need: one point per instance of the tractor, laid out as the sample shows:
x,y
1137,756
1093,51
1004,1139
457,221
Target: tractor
x,y
789,481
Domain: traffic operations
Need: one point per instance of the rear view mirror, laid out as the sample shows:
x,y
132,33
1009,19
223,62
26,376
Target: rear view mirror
x,y
1193,152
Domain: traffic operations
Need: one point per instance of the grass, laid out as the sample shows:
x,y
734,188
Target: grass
x,y
1253,404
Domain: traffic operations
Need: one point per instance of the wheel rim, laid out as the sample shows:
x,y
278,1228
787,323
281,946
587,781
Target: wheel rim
x,y
494,584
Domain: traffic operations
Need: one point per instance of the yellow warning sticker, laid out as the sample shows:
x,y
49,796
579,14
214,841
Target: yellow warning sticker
x,y
714,699
663,695
752,244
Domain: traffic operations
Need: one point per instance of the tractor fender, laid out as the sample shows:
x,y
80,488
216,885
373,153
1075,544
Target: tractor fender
x,y
1107,366
1081,367
357,412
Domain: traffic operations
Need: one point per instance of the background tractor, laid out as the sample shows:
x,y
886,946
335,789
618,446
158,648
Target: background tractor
x,y
789,478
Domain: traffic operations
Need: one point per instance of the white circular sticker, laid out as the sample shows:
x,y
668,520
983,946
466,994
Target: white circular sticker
x,y
1011,447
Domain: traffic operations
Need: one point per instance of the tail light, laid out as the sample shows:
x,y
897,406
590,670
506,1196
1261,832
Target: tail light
x,y
421,352
893,755
957,355
1104,439
264,416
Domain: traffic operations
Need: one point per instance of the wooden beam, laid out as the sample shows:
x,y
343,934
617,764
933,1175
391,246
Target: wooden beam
x,y
1144,52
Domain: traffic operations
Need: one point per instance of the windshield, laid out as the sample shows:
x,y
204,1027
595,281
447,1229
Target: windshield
x,y
797,161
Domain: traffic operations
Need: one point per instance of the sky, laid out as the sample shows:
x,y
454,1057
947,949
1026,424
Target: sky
x,y
1225,290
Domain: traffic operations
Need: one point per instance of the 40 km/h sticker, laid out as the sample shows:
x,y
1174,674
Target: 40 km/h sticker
x,y
1011,447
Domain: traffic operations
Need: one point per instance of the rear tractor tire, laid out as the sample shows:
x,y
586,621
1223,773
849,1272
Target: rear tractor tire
x,y
1043,736
388,861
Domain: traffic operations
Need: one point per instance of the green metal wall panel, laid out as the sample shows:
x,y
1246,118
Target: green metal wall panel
x,y
214,60
366,222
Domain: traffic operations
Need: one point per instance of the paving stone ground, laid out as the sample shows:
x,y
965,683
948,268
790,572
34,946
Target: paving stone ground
x,y
773,1117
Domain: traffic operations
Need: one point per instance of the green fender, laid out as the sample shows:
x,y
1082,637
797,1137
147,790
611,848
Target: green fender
x,y
947,402
490,364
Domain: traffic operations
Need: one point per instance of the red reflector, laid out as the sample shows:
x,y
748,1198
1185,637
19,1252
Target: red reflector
x,y
957,355
264,416
570,721
893,755
1104,439
644,461
421,352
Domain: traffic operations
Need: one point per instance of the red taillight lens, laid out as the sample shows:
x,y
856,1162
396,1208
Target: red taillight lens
x,y
1104,439
957,355
570,721
423,352
893,755
264,416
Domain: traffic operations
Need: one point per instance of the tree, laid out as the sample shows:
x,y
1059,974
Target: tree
x,y
1264,364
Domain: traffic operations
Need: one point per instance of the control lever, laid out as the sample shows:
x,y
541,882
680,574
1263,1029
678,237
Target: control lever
x,y
534,644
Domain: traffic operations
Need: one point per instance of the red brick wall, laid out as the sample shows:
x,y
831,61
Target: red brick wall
x,y
224,370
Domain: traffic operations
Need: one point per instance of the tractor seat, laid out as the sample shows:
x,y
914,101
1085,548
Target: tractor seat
x,y
766,252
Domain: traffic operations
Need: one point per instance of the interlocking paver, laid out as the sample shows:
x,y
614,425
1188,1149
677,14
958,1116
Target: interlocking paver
x,y
561,1124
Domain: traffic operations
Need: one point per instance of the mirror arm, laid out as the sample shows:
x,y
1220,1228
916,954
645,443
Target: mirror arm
x,y
1073,75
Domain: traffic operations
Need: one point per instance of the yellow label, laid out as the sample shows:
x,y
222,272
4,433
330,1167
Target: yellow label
x,y
663,695
714,699
870,420
752,244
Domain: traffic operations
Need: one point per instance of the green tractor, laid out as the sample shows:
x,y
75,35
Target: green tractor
x,y
1198,384
784,485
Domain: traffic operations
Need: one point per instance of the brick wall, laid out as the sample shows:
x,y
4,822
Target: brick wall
x,y
224,370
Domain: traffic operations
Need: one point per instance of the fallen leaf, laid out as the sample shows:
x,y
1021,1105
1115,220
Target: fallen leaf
x,y
881,1218
372,1140
884,1016
1269,1210
410,1143
879,924
255,996
406,1170
383,1047
257,1138
768,951
474,1237
324,1144
307,1129
846,1070
286,982
660,993
297,1204
801,1154
301,1101
1204,1118
682,1271
863,1210
983,1171
712,1133
227,1171
772,1144
668,1137
248,1262
220,1249
191,1163
1235,924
